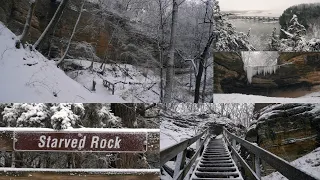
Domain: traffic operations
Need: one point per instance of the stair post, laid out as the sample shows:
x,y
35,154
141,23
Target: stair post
x,y
180,161
257,166
234,144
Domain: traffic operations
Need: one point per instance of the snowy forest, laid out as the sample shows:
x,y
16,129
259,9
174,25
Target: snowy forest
x,y
81,116
115,51
292,30
286,130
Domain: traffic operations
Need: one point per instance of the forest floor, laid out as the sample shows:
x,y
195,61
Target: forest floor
x,y
132,83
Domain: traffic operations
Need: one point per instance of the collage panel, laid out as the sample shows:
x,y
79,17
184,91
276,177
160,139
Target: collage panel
x,y
106,51
240,141
79,141
247,25
266,77
67,51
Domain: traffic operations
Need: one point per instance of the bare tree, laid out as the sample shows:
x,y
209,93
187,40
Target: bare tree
x,y
71,37
170,62
208,19
23,36
52,22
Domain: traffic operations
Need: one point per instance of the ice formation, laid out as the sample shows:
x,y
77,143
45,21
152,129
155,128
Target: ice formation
x,y
255,70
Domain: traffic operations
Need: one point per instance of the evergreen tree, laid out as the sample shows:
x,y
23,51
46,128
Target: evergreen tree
x,y
274,41
227,38
296,40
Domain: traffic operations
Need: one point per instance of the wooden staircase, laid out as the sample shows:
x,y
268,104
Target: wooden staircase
x,y
216,163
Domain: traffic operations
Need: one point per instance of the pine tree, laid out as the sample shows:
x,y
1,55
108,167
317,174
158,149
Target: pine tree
x,y
274,41
227,38
296,40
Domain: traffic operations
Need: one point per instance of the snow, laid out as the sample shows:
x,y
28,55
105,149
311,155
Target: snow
x,y
241,98
171,134
27,76
102,171
137,87
309,163
83,130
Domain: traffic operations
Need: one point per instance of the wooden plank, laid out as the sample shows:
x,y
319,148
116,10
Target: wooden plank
x,y
186,169
242,161
55,176
74,174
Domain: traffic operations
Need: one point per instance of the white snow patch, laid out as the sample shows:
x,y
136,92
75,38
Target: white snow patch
x,y
309,163
241,98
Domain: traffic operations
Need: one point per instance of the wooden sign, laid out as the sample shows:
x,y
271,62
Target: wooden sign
x,y
80,141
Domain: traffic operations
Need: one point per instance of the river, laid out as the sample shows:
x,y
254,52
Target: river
x,y
260,30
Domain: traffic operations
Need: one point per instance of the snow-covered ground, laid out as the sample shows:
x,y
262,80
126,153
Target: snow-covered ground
x,y
172,134
309,163
132,83
27,76
243,98
173,130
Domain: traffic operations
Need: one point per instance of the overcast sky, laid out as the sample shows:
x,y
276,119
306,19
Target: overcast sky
x,y
260,4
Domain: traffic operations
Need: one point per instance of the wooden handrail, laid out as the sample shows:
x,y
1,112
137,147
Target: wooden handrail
x,y
170,152
285,168
186,169
109,85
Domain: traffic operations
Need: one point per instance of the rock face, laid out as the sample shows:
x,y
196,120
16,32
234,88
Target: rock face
x,y
129,46
291,80
287,130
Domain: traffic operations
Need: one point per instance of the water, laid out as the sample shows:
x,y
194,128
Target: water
x,y
260,31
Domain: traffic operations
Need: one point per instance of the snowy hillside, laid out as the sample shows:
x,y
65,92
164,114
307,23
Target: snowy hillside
x,y
309,163
132,83
27,76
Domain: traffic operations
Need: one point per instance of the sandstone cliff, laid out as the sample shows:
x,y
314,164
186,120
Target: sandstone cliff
x,y
129,46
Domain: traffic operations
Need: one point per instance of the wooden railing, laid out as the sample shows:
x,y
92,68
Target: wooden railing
x,y
179,150
276,162
109,85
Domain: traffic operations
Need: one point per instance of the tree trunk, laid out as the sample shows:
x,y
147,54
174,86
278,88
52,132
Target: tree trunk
x,y
204,83
161,49
203,57
127,112
170,63
73,32
52,23
23,36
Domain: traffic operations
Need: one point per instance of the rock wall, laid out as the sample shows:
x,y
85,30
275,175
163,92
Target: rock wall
x,y
129,46
289,81
287,130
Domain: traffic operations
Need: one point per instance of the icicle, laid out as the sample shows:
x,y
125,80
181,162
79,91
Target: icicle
x,y
254,70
